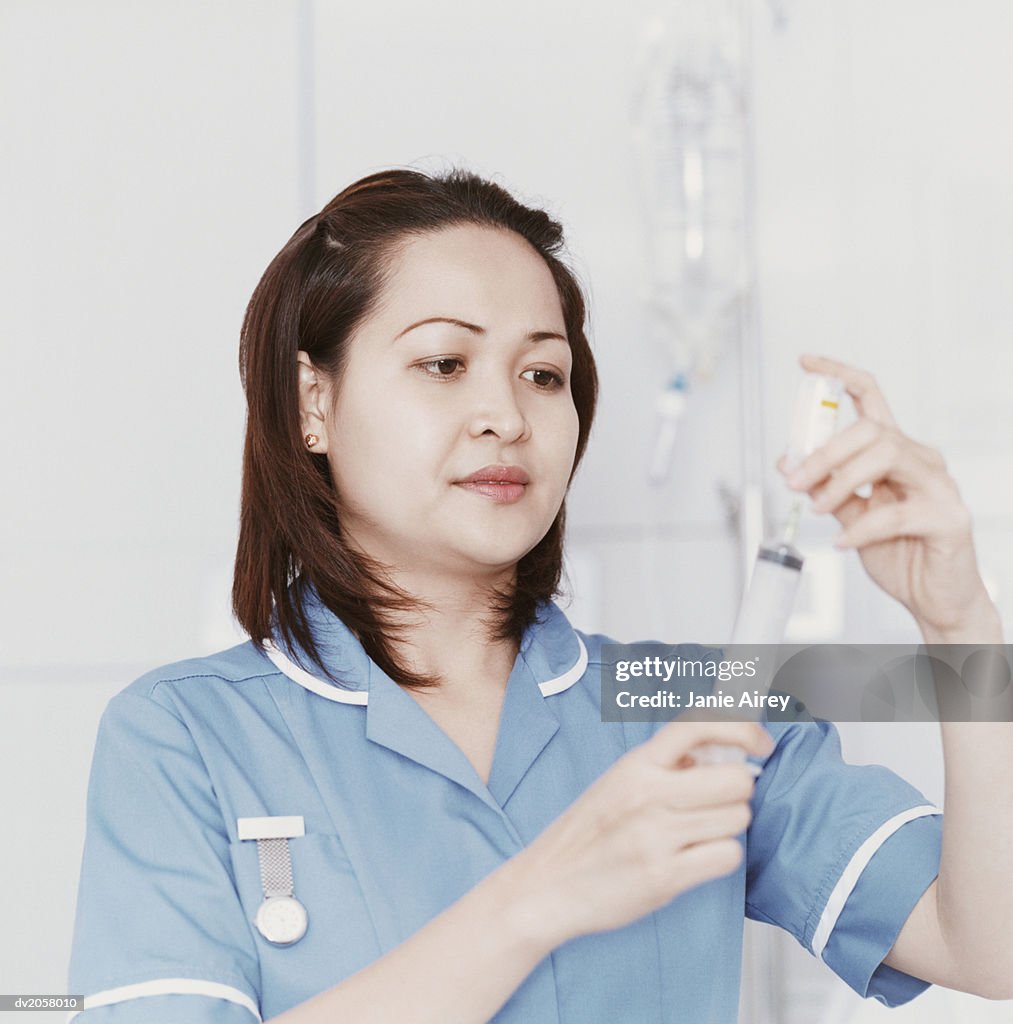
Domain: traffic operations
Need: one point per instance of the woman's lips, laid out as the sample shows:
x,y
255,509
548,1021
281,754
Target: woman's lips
x,y
503,484
504,493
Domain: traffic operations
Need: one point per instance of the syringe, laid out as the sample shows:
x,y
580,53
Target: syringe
x,y
768,601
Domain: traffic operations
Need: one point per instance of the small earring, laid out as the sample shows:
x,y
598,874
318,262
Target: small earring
x,y
311,440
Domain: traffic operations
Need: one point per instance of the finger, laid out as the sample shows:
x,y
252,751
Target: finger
x,y
703,786
860,384
703,861
672,741
841,447
707,824
854,507
888,521
887,458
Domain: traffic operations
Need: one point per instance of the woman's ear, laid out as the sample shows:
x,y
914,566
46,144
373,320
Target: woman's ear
x,y
313,398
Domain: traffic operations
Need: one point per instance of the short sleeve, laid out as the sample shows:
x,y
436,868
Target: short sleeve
x,y
838,855
159,934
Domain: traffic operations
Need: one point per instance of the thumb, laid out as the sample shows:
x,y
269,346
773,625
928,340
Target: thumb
x,y
670,744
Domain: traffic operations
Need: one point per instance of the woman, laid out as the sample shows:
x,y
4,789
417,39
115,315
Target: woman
x,y
398,801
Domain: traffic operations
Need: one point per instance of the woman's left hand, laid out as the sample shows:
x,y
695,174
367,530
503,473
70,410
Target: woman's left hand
x,y
913,533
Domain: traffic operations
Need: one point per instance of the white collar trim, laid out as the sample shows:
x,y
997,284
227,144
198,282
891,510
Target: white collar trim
x,y
299,675
567,679
289,668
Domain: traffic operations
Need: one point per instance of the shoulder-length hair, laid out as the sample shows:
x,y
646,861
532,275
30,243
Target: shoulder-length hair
x,y
323,284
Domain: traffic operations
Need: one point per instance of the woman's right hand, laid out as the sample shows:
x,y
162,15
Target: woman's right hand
x,y
652,826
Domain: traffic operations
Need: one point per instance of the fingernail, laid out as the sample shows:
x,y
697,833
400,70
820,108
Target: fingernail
x,y
795,480
841,541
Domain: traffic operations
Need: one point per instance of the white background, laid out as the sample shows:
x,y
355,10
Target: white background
x,y
156,157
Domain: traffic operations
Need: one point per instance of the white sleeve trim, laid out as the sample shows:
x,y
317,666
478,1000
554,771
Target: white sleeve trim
x,y
168,987
858,863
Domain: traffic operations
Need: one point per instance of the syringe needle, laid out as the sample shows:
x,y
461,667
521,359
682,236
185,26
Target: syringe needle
x,y
794,518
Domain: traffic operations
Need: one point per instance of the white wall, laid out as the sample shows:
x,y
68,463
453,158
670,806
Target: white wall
x,y
149,173
157,156
884,227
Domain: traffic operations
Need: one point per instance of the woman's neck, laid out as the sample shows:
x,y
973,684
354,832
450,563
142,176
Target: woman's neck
x,y
451,636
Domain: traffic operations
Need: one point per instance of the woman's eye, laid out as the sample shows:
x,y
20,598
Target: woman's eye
x,y
444,367
450,367
547,380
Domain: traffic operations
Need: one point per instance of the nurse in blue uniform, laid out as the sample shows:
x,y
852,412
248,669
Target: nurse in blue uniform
x,y
397,802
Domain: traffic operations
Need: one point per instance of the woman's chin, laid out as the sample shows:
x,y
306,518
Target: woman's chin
x,y
494,552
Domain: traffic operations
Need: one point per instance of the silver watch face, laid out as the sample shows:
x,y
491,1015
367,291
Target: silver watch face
x,y
282,920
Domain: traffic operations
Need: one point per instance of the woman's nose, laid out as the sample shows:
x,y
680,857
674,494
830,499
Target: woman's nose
x,y
497,410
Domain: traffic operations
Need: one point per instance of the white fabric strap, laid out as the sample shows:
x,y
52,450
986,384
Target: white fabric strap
x,y
858,863
168,987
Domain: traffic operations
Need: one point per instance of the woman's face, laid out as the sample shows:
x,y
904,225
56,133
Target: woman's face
x,y
422,407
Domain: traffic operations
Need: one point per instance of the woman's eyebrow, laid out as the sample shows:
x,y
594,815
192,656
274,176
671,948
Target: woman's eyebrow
x,y
475,329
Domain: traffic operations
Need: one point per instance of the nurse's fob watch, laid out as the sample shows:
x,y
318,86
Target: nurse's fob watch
x,y
281,918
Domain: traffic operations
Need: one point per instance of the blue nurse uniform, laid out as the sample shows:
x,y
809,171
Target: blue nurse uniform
x,y
398,825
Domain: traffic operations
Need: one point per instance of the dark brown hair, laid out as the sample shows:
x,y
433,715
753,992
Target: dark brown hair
x,y
323,284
